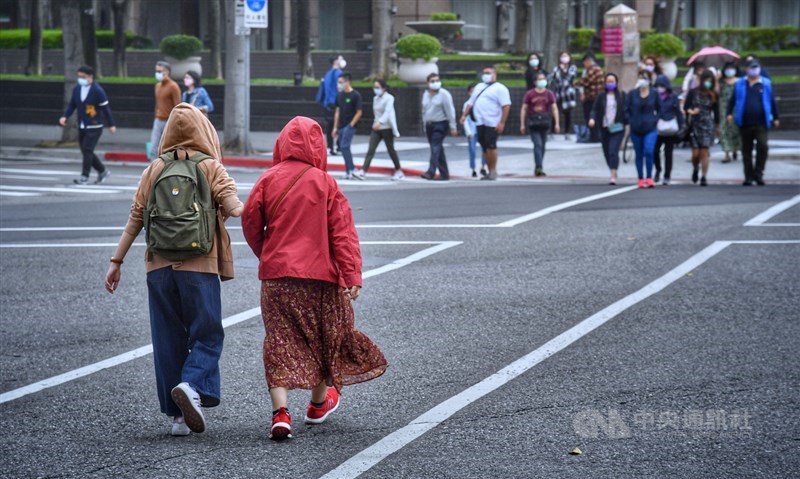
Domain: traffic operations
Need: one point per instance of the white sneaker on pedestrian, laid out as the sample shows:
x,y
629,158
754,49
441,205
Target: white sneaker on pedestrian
x,y
398,175
81,181
348,176
359,174
189,401
179,427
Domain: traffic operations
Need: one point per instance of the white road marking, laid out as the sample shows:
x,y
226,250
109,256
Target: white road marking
x,y
53,189
762,218
58,172
18,193
398,439
233,243
229,321
568,204
27,177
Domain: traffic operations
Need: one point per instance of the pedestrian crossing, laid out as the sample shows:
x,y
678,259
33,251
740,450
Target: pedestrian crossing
x,y
32,182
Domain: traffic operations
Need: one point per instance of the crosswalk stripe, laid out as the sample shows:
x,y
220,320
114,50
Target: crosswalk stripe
x,y
56,189
17,193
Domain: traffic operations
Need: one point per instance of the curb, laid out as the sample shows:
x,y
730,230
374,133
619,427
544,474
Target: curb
x,y
250,162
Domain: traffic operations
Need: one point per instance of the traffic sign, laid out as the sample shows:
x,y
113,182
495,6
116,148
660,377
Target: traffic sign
x,y
255,14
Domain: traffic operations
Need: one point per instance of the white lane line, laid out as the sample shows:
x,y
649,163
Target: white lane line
x,y
57,172
398,439
54,189
229,321
765,242
568,204
24,177
233,243
17,193
762,218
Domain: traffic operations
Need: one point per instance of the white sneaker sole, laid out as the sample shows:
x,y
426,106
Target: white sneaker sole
x,y
309,420
179,430
284,431
192,415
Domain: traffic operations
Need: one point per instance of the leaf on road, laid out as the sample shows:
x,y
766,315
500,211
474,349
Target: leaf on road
x,y
575,452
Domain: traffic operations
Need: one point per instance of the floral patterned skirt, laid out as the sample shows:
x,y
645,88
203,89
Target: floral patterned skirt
x,y
311,337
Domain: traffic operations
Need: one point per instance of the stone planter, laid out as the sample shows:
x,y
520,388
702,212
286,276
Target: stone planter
x,y
415,72
180,67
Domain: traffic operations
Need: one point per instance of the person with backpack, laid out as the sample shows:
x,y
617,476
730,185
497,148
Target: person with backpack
x,y
326,96
182,201
299,224
538,111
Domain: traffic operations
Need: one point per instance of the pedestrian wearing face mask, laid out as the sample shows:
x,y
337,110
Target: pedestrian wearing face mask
x,y
384,128
669,124
89,100
489,104
729,137
538,112
753,109
608,113
438,115
701,106
534,67
561,81
345,119
330,93
643,109
195,94
651,64
168,95
592,84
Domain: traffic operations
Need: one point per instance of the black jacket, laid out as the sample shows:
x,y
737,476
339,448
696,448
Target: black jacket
x,y
599,108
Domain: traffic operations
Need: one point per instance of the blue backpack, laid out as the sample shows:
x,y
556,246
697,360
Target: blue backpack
x,y
320,98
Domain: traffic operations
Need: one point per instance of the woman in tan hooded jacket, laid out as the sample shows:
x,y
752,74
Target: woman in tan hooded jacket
x,y
184,296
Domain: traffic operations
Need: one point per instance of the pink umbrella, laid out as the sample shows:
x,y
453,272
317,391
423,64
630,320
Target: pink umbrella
x,y
714,56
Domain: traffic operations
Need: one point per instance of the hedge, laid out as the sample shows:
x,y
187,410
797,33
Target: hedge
x,y
54,39
753,38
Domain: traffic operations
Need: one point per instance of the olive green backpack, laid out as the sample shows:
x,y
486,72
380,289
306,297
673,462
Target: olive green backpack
x,y
181,215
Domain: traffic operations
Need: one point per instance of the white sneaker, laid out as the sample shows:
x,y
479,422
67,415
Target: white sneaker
x,y
348,176
179,427
189,401
359,174
398,175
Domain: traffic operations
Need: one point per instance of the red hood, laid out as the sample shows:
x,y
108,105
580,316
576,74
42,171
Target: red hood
x,y
302,140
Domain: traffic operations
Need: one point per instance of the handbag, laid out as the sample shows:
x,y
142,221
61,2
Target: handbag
x,y
616,127
667,127
539,121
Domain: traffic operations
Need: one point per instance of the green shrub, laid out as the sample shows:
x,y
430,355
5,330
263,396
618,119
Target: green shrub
x,y
54,39
444,17
180,47
580,39
105,38
752,38
418,45
664,45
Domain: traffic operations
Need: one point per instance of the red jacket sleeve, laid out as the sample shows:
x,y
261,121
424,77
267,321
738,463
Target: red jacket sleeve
x,y
343,237
253,218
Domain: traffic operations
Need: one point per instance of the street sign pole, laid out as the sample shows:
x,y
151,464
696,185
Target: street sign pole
x,y
249,14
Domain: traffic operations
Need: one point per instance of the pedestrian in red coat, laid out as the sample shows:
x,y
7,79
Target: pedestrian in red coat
x,y
300,225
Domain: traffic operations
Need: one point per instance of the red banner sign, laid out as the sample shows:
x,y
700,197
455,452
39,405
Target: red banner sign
x,y
611,40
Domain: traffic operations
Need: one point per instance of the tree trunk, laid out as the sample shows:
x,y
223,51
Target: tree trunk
x,y
35,45
602,7
215,37
522,27
665,13
555,40
120,10
73,59
303,29
237,138
89,36
381,39
189,21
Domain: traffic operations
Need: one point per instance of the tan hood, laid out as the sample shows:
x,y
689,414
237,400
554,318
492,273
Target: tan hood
x,y
189,128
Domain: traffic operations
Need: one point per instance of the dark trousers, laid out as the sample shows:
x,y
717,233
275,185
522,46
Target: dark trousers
x,y
750,135
595,132
187,334
330,112
669,144
565,118
539,139
375,138
436,133
88,138
611,143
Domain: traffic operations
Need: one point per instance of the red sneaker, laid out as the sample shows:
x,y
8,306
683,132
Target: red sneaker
x,y
650,183
281,425
641,183
317,415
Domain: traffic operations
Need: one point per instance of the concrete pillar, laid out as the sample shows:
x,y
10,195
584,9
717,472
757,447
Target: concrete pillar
x,y
621,44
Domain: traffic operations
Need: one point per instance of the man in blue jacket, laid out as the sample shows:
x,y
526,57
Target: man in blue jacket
x,y
90,100
330,93
752,107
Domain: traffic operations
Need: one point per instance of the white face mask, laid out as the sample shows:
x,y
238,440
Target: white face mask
x,y
83,81
533,62
541,83
342,63
378,91
641,82
486,77
159,76
730,72
565,59
340,87
188,82
435,85
650,68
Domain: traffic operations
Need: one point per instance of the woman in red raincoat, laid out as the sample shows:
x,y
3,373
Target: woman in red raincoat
x,y
300,225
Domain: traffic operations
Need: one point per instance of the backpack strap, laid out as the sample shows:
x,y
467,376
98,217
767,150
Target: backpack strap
x,y
274,208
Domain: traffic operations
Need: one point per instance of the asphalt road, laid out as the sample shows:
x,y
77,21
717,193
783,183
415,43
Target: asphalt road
x,y
688,370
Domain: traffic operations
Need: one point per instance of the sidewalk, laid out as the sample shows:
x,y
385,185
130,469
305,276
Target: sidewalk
x,y
563,159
